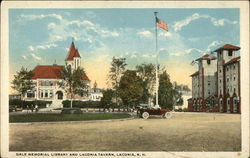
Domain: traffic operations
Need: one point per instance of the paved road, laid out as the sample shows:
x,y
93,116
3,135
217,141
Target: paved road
x,y
183,132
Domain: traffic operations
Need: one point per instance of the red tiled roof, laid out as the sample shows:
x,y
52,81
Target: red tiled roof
x,y
50,72
73,52
47,71
234,60
85,78
194,74
207,56
227,47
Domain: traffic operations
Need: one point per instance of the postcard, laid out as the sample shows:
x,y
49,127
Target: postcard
x,y
124,79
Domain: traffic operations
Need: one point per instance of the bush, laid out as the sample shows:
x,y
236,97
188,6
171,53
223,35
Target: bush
x,y
23,103
178,110
181,110
185,110
81,104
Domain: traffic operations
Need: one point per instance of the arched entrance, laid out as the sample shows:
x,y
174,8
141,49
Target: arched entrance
x,y
228,104
221,104
59,95
235,104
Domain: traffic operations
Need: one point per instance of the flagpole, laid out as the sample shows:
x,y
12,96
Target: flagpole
x,y
156,67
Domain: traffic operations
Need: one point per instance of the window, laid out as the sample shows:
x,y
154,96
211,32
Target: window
x,y
227,68
208,84
46,83
227,90
46,94
208,92
30,94
230,53
220,91
51,94
234,90
220,70
234,66
234,77
220,80
208,61
235,101
227,79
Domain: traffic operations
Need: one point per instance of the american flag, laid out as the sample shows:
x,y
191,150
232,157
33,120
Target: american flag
x,y
192,63
161,24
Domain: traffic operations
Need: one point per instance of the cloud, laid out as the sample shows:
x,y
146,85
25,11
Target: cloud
x,y
165,34
46,46
42,47
81,30
187,51
24,57
80,23
220,22
51,25
148,55
31,48
133,56
209,48
145,33
212,45
41,16
35,56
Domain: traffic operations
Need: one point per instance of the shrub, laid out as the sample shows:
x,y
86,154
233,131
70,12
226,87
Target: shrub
x,y
178,110
185,110
23,103
81,104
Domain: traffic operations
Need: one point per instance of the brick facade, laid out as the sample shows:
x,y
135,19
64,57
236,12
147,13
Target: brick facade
x,y
225,79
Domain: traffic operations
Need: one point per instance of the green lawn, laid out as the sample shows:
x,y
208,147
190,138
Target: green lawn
x,y
65,117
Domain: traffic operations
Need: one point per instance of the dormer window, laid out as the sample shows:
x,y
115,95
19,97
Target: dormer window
x,y
230,53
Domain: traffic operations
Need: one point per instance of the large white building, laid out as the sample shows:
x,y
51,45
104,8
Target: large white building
x,y
46,80
216,84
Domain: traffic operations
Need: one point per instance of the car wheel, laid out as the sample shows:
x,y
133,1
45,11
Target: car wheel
x,y
168,115
145,115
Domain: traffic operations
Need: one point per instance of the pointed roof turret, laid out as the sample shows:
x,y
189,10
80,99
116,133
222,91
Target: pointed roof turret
x,y
73,52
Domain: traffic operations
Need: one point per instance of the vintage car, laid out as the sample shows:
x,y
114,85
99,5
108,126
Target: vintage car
x,y
146,112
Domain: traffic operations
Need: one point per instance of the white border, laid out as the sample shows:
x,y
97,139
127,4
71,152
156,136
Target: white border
x,y
244,44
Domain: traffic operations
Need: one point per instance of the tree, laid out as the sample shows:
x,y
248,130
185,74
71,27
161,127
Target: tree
x,y
130,88
147,73
22,81
106,100
165,91
117,69
178,89
73,82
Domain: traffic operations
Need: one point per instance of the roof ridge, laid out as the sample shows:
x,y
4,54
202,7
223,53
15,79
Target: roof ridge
x,y
227,46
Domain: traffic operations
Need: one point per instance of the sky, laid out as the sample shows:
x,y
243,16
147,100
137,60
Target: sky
x,y
43,37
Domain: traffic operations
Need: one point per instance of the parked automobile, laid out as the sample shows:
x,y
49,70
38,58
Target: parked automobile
x,y
146,112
